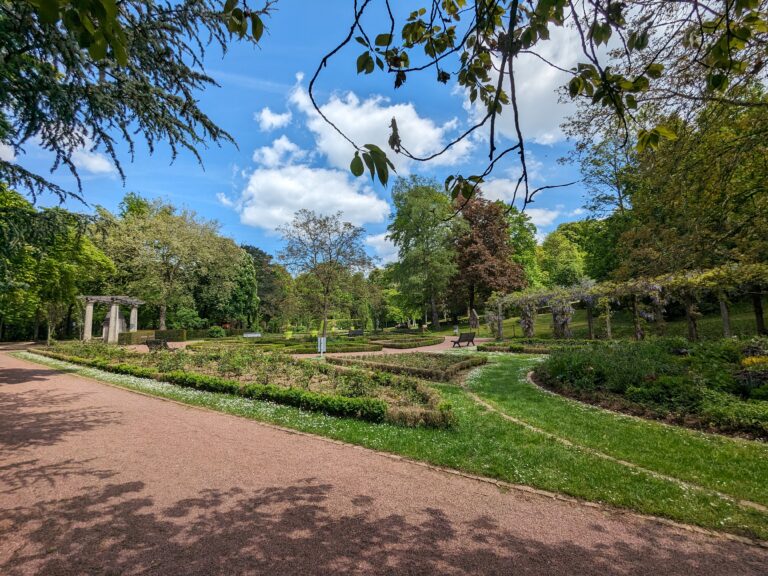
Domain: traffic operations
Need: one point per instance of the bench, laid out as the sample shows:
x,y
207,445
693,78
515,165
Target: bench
x,y
468,337
155,345
354,333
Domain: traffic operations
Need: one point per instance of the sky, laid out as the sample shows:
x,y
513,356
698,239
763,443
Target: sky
x,y
288,158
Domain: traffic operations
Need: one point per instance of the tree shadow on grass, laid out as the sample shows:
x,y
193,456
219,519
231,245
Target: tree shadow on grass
x,y
43,417
306,528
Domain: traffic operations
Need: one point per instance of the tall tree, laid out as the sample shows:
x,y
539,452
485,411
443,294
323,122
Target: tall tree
x,y
422,230
522,233
326,248
91,74
561,259
485,252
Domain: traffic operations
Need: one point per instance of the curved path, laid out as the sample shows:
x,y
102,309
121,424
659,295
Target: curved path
x,y
98,480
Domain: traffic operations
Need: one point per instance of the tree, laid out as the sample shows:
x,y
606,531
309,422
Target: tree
x,y
677,56
422,231
165,257
485,252
522,233
561,259
325,248
89,74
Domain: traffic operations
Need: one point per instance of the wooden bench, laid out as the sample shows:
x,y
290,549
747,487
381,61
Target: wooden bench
x,y
354,333
155,345
468,337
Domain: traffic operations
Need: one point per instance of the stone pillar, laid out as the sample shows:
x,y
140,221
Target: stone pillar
x,y
88,325
134,323
114,323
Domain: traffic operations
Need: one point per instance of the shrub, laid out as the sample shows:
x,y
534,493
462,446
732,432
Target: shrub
x,y
216,332
398,364
171,335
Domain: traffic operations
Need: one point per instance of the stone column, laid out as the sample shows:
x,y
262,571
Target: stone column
x,y
114,323
88,325
134,323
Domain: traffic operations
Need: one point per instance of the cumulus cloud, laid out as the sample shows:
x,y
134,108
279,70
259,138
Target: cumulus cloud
x,y
6,153
542,217
283,183
93,162
367,121
281,151
382,247
269,120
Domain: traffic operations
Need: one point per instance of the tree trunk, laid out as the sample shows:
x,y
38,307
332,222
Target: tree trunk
x,y
639,333
590,323
163,313
726,316
500,322
690,315
471,299
68,327
36,333
757,304
608,331
325,315
435,314
48,332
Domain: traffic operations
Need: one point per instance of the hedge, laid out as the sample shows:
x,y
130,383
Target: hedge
x,y
410,343
517,348
171,335
137,337
370,409
428,373
334,347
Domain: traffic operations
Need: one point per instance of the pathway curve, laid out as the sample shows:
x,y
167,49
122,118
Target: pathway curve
x,y
99,480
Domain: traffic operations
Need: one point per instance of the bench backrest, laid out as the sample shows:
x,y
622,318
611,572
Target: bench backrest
x,y
355,333
466,337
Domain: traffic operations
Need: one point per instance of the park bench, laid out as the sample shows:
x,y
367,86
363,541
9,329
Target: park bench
x,y
468,337
155,345
354,333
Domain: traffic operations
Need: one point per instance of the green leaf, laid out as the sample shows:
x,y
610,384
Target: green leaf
x,y
655,70
257,27
666,132
575,86
383,40
362,61
48,10
229,5
98,47
356,166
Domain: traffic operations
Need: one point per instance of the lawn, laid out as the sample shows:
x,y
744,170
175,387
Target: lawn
x,y
484,443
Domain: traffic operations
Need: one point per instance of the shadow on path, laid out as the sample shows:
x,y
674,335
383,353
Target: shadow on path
x,y
118,529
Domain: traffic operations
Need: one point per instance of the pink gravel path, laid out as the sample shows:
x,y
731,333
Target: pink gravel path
x,y
98,480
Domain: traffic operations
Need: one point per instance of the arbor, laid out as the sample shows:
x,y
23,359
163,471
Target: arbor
x,y
485,252
325,248
422,231
79,75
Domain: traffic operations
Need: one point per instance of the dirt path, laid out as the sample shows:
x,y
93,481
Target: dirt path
x,y
97,480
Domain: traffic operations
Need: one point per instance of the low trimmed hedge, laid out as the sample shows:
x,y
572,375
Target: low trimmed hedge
x,y
405,344
334,347
427,373
171,335
370,409
513,348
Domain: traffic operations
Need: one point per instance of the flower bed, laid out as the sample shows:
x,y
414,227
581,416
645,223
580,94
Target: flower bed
x,y
405,343
439,367
710,385
275,377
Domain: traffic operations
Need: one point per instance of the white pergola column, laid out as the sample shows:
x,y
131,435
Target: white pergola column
x,y
134,323
114,328
88,324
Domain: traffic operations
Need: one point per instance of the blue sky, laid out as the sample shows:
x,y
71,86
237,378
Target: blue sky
x,y
287,158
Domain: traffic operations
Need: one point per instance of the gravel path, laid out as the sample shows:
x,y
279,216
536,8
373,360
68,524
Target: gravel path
x,y
98,480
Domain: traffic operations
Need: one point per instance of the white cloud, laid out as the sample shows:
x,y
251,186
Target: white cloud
x,y
6,153
382,247
281,151
89,160
368,122
542,217
269,120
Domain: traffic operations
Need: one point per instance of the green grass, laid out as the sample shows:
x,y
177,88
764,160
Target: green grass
x,y
484,443
735,467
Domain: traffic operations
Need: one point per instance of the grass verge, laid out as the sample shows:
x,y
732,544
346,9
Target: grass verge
x,y
481,443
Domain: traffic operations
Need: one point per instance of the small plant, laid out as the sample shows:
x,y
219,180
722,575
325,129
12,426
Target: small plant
x,y
216,332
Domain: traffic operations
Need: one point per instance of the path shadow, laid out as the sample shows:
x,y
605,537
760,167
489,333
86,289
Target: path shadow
x,y
42,417
26,375
25,474
305,529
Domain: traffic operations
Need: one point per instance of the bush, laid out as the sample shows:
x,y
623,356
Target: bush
x,y
138,337
404,344
216,332
171,335
437,373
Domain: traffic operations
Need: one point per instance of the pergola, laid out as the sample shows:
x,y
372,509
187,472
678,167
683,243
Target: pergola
x,y
114,315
